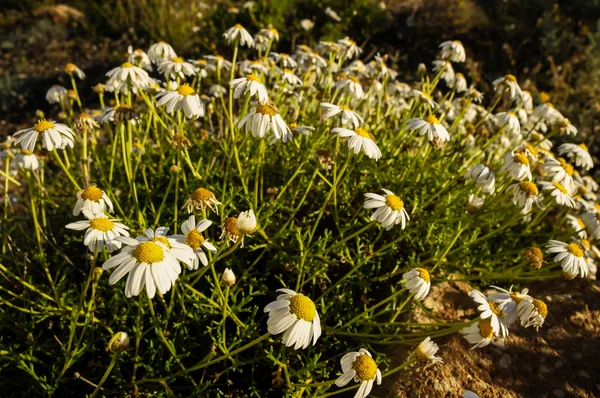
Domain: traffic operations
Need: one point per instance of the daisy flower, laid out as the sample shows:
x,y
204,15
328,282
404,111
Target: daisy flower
x,y
285,59
93,200
517,165
483,177
570,255
390,209
525,194
510,122
475,203
532,312
426,351
359,139
361,367
566,127
352,85
249,84
54,135
351,49
559,192
332,14
547,112
176,67
560,171
218,61
446,70
289,77
577,225
192,237
202,199
453,50
264,118
490,310
430,126
348,115
509,84
418,282
120,113
480,333
184,98
296,315
73,70
25,160
139,58
246,222
160,52
101,231
56,94
460,83
307,24
579,152
508,301
150,260
424,98
238,32
128,76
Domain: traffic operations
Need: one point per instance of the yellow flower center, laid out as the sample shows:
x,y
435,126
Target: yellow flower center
x,y
253,77
266,109
102,224
290,71
521,158
202,194
70,68
293,125
560,188
238,26
485,329
127,65
544,97
495,309
575,249
345,108
274,31
531,149
230,226
162,240
568,168
43,125
123,109
365,367
185,90
354,80
510,78
423,274
584,147
194,239
586,243
394,202
581,223
541,307
303,307
92,193
511,114
148,252
516,297
528,187
177,60
364,133
432,119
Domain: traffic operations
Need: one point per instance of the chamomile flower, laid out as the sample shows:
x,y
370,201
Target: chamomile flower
x,y
483,177
517,165
592,221
566,127
508,83
547,113
351,49
160,52
56,94
128,77
560,171
361,367
290,78
150,260
359,139
73,70
525,194
264,118
296,316
418,282
238,32
507,301
101,231
218,61
390,210
201,199
510,122
446,70
25,160
139,58
352,86
430,126
246,222
93,200
54,135
192,237
570,255
559,192
426,351
307,24
285,60
175,68
348,115
229,230
184,98
332,14
424,98
532,312
249,84
577,225
475,203
453,51
480,333
580,153
460,83
490,310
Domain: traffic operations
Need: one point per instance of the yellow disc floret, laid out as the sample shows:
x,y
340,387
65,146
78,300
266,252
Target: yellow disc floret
x,y
127,65
43,125
266,109
521,158
185,90
365,367
303,307
253,77
529,188
92,193
541,307
177,60
575,249
162,240
102,224
202,194
423,274
495,309
394,202
194,239
148,252
432,119
485,329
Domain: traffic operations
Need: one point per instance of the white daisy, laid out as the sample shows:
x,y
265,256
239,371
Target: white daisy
x,y
430,126
460,83
192,237
390,209
54,135
490,310
426,351
509,84
351,49
352,86
507,301
285,59
475,203
525,194
92,199
560,193
201,199
418,282
238,32
532,312
249,84
348,115
218,61
176,67
579,152
25,160
264,118
577,225
296,315
547,113
570,255
100,231
517,165
56,94
479,333
359,139
423,98
453,51
184,98
246,222
289,77
361,367
560,171
139,58
483,177
307,24
160,52
128,77
510,122
73,70
447,72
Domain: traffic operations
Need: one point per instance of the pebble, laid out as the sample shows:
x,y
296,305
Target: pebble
x,y
558,393
505,361
544,369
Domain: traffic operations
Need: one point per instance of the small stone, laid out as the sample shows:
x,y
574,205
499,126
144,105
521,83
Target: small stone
x,y
558,365
505,361
544,369
558,393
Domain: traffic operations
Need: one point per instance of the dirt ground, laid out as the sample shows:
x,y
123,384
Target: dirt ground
x,y
561,360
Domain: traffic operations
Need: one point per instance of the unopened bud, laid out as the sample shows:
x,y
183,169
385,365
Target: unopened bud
x,y
246,222
422,69
118,343
228,277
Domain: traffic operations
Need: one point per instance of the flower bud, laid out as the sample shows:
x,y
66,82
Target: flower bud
x,y
422,69
246,222
118,343
228,277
